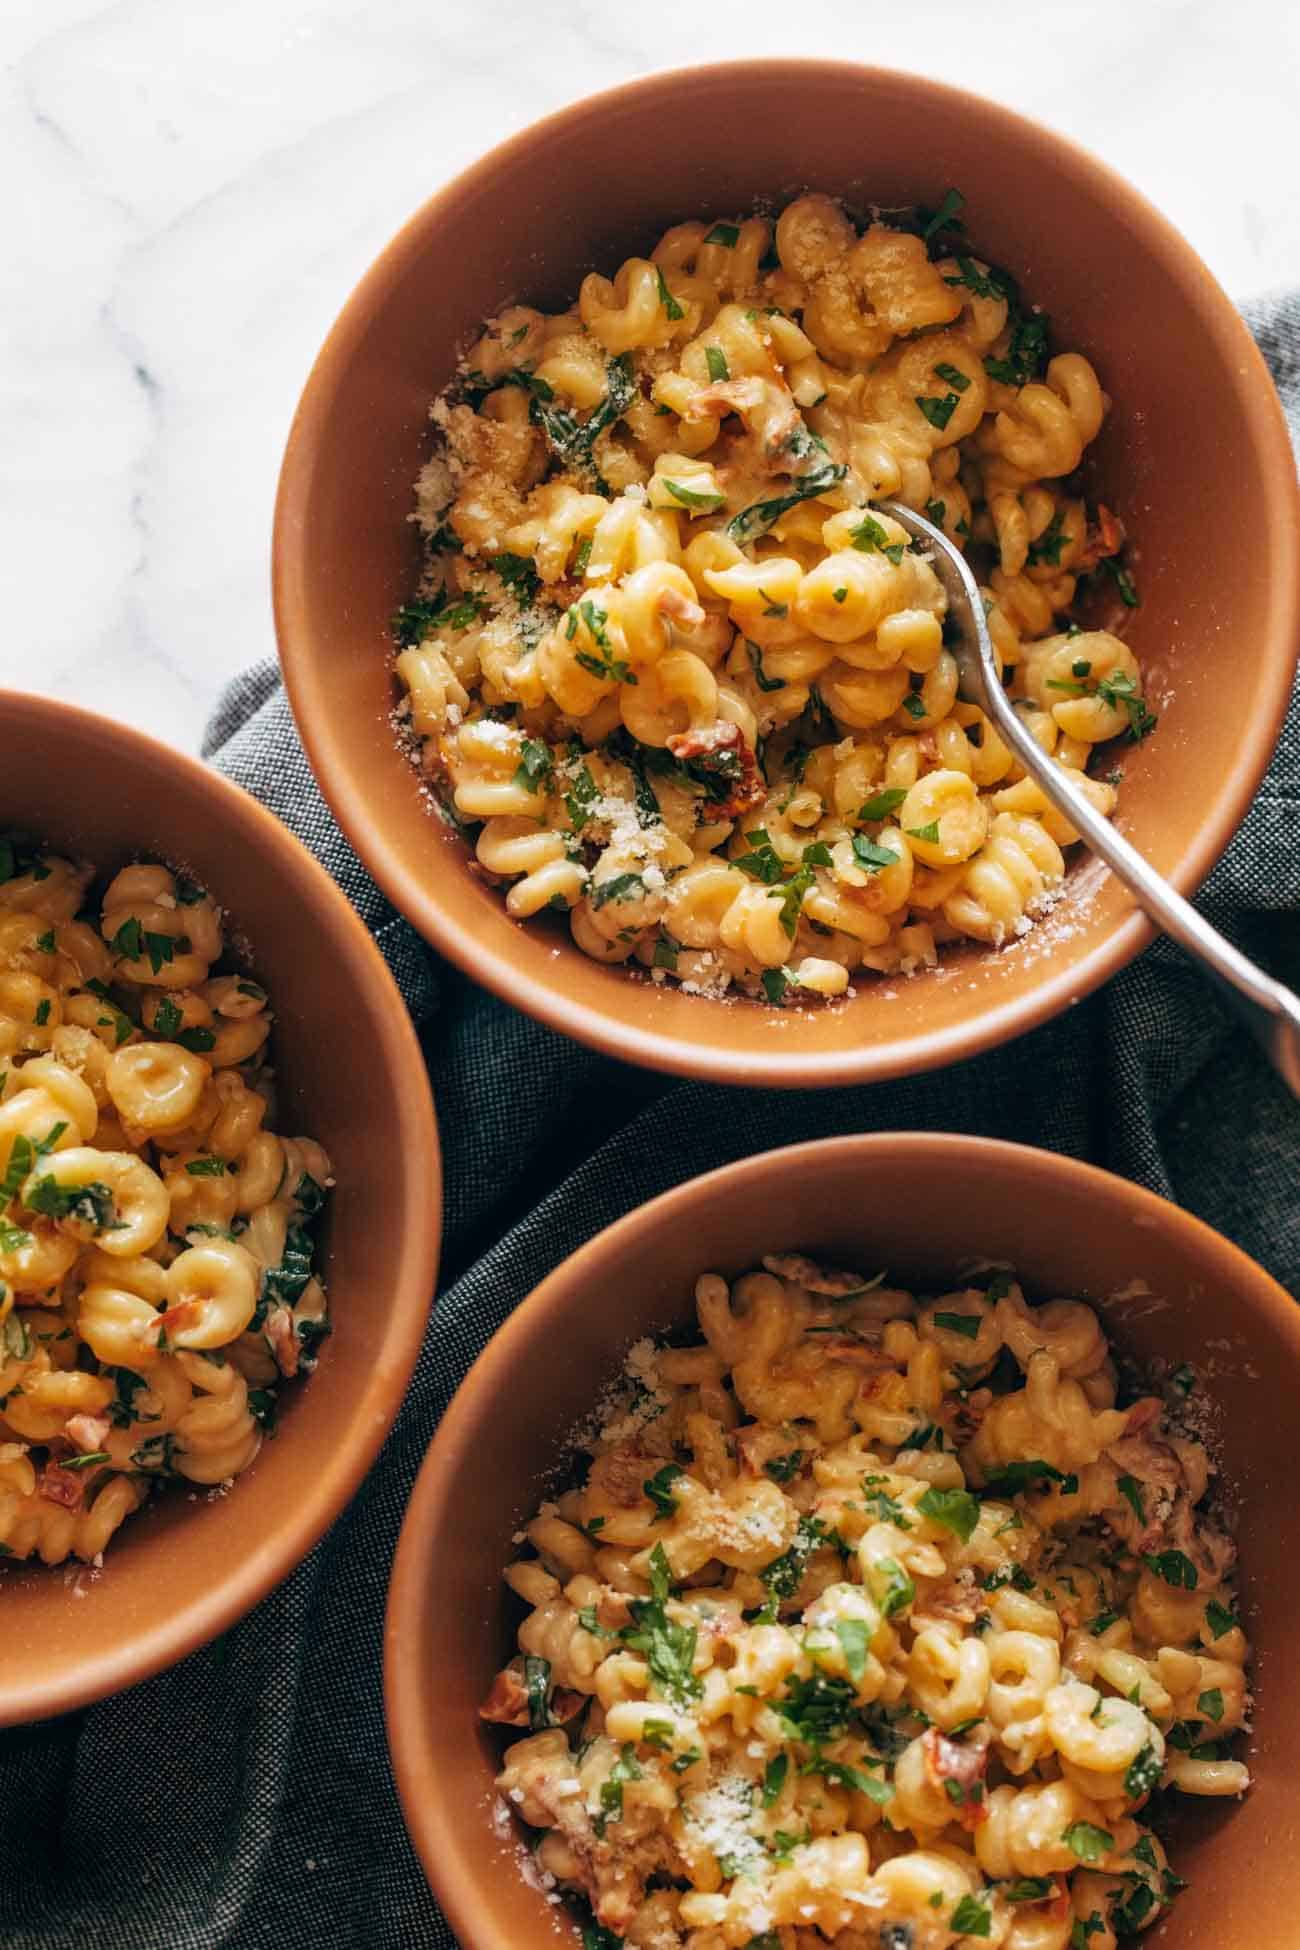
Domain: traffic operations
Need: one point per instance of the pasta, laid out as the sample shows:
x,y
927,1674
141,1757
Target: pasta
x,y
872,1619
156,1277
681,680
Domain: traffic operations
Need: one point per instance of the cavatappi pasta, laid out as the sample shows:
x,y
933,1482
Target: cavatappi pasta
x,y
877,1621
155,1252
677,676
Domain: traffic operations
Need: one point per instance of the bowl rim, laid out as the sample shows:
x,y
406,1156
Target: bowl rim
x,y
613,1034
323,1496
430,1515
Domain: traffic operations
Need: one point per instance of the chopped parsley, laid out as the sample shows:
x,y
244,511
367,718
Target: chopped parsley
x,y
668,1646
1128,1915
23,1156
945,217
881,804
582,795
1123,581
1211,1704
1219,1619
127,1385
854,1635
881,1504
535,765
131,942
971,1918
707,498
1143,1773
1174,1567
952,376
955,1510
207,1167
92,1204
815,1709
724,233
537,1683
990,283
868,855
755,520
625,1768
914,705
716,360
1028,1889
1089,1843
774,1776
1122,694
870,538
938,411
761,678
44,943
1132,1495
1049,544
782,1468
929,833
1027,351
854,1778
518,574
167,1019
120,1023
659,1490
784,1574
622,887
967,1325
893,1590
572,441
666,298
417,619
1014,1477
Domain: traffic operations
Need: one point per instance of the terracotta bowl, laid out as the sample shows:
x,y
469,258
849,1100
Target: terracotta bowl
x,y
923,1206
1217,571
350,1074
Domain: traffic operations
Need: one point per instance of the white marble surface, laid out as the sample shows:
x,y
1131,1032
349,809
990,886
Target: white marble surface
x,y
193,187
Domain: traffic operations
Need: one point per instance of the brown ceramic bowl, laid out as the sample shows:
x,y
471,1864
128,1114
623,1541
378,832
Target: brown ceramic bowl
x,y
350,1074
1217,630
924,1206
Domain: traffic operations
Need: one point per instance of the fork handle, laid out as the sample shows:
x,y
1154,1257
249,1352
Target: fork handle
x,y
1269,1009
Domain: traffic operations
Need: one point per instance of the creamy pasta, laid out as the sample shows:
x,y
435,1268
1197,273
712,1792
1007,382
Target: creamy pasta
x,y
677,676
875,1620
156,1277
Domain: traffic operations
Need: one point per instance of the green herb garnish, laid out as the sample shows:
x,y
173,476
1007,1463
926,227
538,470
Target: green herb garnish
x,y
659,1490
1089,1843
955,1510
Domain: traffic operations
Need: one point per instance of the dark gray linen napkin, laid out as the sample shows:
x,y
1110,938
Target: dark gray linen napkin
x,y
243,1800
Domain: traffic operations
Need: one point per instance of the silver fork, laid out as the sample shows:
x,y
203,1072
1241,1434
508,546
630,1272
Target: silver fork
x,y
1269,1009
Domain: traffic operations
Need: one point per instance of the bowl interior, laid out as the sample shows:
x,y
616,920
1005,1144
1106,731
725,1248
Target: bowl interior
x,y
350,1074
925,1206
1119,285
